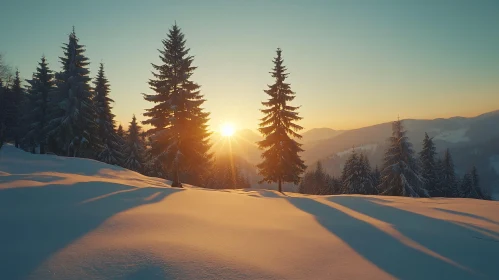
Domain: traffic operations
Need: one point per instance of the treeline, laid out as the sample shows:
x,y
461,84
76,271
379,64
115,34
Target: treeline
x,y
403,173
68,113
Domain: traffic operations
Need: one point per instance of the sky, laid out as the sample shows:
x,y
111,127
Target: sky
x,y
351,63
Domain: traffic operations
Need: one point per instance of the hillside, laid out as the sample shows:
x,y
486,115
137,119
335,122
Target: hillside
x,y
472,141
70,218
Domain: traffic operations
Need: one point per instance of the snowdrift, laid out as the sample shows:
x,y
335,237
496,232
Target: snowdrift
x,y
68,218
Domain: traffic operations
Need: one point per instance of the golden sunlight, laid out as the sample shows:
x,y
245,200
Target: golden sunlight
x,y
227,129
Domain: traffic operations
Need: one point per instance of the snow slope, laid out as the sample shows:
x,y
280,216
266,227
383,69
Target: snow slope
x,y
67,218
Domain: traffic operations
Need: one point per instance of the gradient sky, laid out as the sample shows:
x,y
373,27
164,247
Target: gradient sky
x,y
351,63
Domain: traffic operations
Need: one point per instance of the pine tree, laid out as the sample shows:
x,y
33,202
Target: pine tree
x,y
449,186
477,191
376,179
316,182
120,132
400,175
152,163
41,85
14,99
349,174
366,185
226,173
428,166
281,162
180,130
321,179
466,186
133,149
72,114
110,150
470,186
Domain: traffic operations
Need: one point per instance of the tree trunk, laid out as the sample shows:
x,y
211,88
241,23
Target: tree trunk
x,y
175,181
42,148
280,185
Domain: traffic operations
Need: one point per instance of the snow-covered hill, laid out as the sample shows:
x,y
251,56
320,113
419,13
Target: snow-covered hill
x,y
68,218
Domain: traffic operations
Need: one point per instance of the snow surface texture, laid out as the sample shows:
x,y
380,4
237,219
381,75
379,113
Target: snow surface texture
x,y
69,218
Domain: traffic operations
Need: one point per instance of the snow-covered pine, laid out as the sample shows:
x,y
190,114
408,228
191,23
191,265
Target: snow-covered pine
x,y
110,150
400,176
179,132
357,176
428,166
281,161
41,85
71,113
349,174
133,150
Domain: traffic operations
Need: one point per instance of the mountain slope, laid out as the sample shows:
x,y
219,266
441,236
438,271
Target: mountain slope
x,y
317,134
70,218
472,141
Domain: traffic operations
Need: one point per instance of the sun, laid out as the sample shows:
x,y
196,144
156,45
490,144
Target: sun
x,y
227,129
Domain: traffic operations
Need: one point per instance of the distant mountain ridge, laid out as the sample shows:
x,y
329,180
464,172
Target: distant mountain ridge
x,y
473,140
318,134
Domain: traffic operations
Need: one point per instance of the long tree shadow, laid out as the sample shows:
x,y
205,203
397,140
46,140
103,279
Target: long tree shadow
x,y
37,222
467,215
464,245
378,247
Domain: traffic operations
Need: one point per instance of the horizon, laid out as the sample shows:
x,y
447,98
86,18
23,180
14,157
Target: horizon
x,y
359,64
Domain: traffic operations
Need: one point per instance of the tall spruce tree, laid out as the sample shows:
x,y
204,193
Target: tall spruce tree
x,y
14,99
180,131
41,85
448,180
72,114
110,149
428,166
400,176
281,162
349,174
133,150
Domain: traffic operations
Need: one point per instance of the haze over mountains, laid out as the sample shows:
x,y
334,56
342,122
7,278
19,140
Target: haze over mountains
x,y
471,141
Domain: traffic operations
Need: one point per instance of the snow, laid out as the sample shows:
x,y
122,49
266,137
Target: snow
x,y
364,148
453,136
69,218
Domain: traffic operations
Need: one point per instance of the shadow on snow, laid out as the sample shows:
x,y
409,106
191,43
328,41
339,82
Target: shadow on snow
x,y
394,257
37,222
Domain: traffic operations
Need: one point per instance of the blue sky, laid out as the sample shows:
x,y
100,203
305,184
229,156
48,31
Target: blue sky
x,y
351,63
